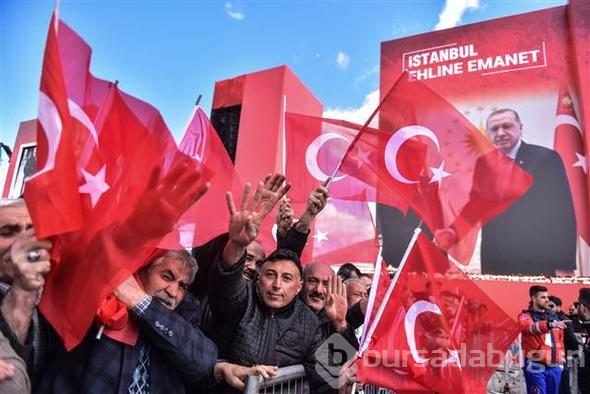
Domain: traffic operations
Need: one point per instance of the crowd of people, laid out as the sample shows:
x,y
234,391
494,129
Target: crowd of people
x,y
204,321
207,320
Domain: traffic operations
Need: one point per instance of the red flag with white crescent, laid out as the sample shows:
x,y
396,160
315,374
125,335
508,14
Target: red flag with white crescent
x,y
569,143
435,327
103,187
426,152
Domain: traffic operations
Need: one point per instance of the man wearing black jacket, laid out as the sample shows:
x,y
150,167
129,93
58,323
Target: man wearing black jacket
x,y
569,340
272,325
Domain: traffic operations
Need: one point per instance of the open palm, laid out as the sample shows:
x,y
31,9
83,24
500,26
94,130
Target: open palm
x,y
244,224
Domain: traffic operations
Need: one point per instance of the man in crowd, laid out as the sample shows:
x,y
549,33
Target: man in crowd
x,y
325,294
322,291
271,325
15,222
542,344
570,342
255,256
356,291
537,233
349,271
584,316
170,350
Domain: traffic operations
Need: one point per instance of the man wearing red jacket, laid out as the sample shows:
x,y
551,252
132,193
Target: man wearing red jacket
x,y
542,344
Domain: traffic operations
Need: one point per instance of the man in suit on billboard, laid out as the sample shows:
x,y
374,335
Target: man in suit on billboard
x,y
537,233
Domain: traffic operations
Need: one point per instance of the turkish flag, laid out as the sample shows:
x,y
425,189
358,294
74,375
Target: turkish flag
x,y
57,202
210,217
426,152
125,182
343,232
436,327
315,147
569,143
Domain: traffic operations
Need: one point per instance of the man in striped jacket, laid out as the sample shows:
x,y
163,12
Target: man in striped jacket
x,y
542,344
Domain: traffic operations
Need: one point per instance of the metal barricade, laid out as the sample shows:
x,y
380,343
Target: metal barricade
x,y
288,380
370,389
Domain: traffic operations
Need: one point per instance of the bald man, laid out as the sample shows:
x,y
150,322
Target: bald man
x,y
325,294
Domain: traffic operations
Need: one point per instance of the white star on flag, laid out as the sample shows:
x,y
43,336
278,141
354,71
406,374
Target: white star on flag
x,y
582,162
438,174
320,236
95,185
362,157
186,234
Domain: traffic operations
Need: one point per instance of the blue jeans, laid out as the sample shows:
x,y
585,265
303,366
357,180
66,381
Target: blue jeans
x,y
541,379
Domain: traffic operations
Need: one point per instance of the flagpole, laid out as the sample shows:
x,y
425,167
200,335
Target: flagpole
x,y
284,137
367,123
373,292
198,100
367,338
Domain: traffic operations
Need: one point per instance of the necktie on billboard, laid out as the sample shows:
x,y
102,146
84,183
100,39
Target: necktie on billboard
x,y
122,186
208,218
436,327
427,153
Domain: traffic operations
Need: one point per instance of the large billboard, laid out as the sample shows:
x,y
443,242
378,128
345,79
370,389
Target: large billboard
x,y
528,64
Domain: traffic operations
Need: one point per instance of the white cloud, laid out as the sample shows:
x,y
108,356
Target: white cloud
x,y
234,14
367,74
453,12
342,60
357,115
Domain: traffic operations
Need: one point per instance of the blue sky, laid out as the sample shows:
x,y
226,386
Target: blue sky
x,y
168,52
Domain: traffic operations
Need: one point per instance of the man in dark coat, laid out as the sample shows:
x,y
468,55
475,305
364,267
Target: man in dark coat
x,y
271,325
170,351
537,233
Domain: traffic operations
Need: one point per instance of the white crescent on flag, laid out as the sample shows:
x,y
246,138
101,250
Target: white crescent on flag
x,y
412,314
52,128
311,155
397,140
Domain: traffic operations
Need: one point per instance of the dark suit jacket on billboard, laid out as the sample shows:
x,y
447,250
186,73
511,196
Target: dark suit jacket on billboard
x,y
537,233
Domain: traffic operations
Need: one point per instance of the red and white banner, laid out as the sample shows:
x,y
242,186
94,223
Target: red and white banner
x,y
519,62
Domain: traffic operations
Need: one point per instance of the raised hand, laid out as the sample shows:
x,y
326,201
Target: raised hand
x,y
166,200
317,201
29,261
445,238
244,224
284,216
336,304
29,258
